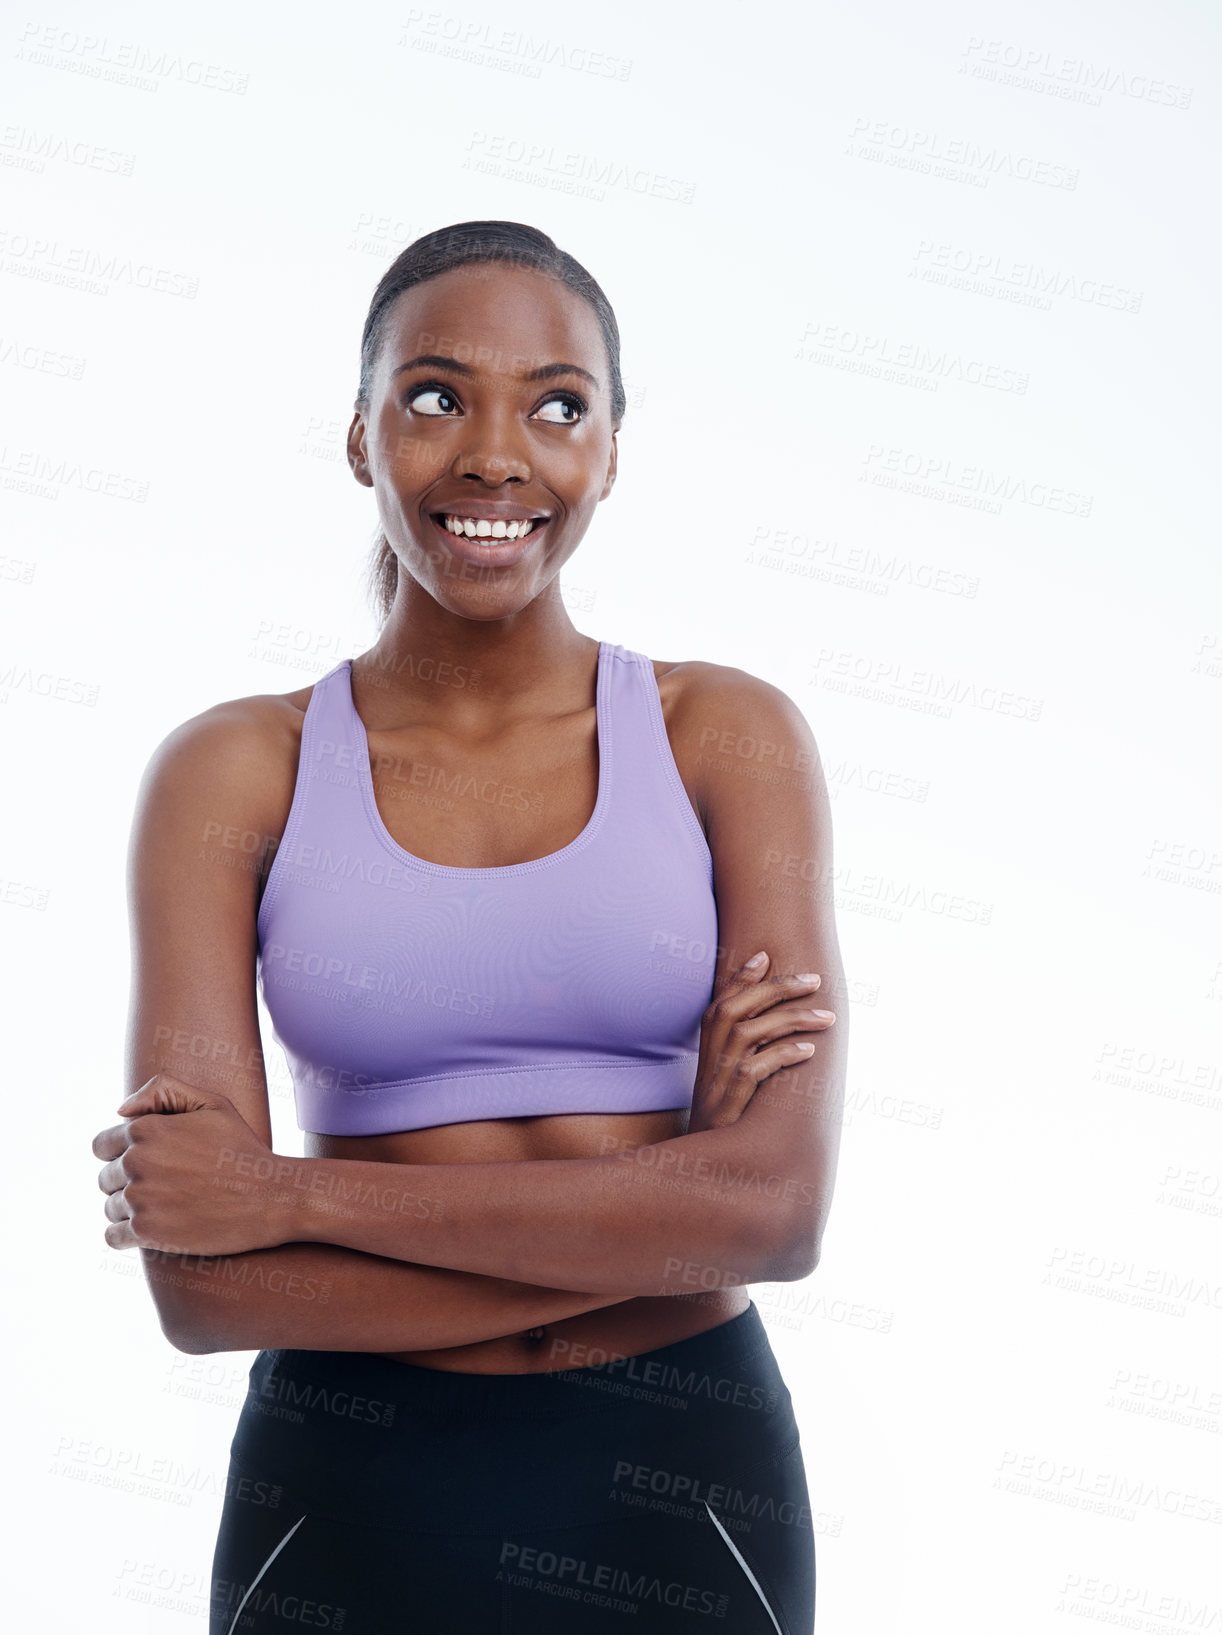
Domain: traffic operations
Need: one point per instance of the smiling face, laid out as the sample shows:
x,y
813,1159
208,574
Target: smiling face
x,y
489,405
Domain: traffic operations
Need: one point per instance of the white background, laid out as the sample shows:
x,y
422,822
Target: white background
x,y
919,313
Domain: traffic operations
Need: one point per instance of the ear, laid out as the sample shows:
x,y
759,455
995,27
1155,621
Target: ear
x,y
611,465
356,450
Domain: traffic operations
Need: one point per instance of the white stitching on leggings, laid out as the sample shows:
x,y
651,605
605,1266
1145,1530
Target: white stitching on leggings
x,y
755,1583
263,1569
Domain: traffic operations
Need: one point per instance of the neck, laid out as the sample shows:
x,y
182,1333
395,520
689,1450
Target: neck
x,y
430,662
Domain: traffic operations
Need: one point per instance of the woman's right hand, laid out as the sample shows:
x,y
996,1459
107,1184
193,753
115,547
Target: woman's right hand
x,y
746,1035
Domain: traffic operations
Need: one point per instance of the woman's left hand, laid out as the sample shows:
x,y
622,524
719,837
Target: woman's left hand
x,y
188,1175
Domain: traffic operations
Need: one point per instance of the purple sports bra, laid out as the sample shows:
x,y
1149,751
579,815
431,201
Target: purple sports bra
x,y
407,993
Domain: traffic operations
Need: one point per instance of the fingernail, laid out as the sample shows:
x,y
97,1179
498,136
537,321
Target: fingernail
x,y
756,959
807,976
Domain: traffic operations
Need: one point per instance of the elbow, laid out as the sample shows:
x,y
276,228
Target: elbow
x,y
792,1263
790,1248
192,1330
190,1344
190,1338
179,1323
189,1324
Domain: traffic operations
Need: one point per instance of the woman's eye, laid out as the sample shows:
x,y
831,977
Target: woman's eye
x,y
565,400
566,407
418,396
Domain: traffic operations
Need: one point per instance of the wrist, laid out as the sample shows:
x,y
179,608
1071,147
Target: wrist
x,y
288,1203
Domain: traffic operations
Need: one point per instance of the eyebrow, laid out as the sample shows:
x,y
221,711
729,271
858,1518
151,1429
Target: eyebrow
x,y
545,371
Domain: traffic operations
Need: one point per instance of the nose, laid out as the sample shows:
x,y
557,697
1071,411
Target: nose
x,y
491,452
491,469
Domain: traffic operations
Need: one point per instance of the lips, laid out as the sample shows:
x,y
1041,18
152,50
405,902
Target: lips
x,y
491,525
486,550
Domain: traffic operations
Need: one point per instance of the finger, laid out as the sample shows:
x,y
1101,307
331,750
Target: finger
x,y
152,1096
773,1059
789,1016
746,977
163,1093
737,1047
740,1004
157,1096
784,1053
752,1070
115,1208
729,1030
119,1235
744,1049
110,1142
144,1100
741,1074
113,1176
770,990
752,998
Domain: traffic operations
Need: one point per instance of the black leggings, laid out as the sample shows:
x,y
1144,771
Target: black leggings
x,y
657,1493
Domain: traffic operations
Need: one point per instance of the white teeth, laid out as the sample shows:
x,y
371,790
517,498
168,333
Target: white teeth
x,y
481,528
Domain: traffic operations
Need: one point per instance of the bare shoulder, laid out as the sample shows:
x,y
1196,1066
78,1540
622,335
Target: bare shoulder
x,y
726,711
741,745
240,755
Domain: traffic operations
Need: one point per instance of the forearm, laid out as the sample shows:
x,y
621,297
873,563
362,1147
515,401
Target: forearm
x,y
323,1297
631,1223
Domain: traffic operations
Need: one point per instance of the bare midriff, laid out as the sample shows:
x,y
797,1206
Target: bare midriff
x,y
592,1337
